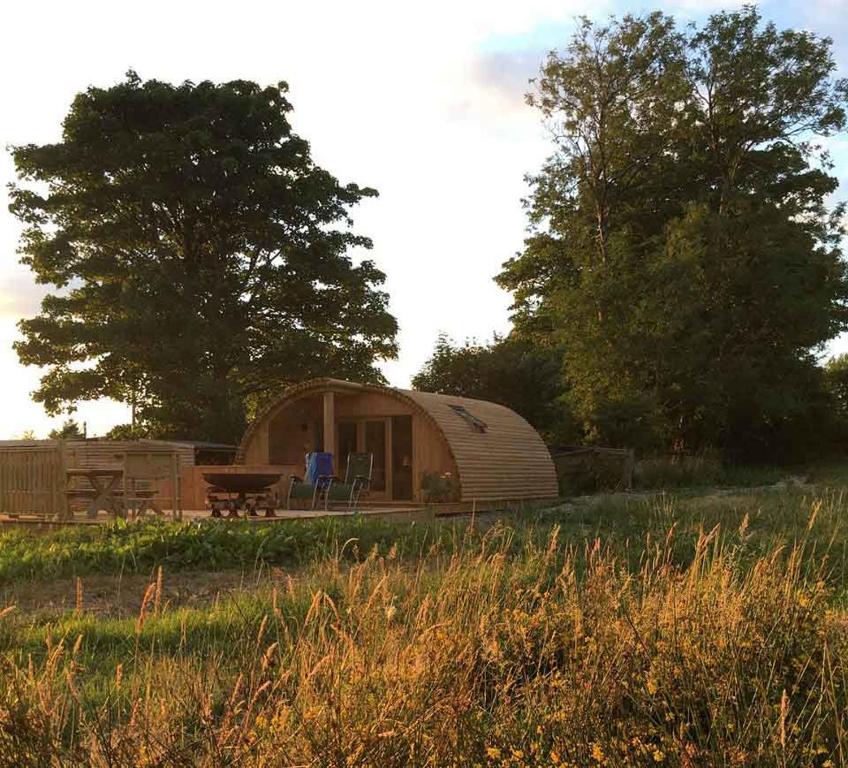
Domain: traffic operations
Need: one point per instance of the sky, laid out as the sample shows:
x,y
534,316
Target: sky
x,y
422,100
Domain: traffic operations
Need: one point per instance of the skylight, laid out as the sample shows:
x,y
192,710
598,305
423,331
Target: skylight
x,y
476,424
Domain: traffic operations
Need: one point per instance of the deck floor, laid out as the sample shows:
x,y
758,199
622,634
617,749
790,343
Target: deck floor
x,y
398,511
411,512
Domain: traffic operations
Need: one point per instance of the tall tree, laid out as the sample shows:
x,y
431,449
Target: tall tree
x,y
512,371
199,256
681,250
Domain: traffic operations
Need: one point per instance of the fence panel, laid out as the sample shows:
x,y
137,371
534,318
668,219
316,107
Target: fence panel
x,y
32,481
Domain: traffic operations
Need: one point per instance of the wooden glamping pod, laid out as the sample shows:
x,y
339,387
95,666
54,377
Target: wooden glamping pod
x,y
427,448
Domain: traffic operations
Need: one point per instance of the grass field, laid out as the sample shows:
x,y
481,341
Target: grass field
x,y
695,629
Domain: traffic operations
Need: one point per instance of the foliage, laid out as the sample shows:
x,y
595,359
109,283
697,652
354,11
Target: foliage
x,y
127,432
512,370
506,649
139,548
439,487
199,257
622,522
70,430
836,380
682,254
701,471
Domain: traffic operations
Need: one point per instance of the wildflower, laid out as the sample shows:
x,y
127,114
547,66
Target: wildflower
x,y
658,755
597,753
493,752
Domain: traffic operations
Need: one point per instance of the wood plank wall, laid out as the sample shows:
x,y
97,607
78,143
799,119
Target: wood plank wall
x,y
32,472
32,480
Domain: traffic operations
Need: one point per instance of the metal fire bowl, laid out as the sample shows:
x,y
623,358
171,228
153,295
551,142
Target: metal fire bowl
x,y
245,482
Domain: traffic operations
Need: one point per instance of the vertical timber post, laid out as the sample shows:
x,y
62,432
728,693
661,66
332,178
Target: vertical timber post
x,y
176,491
330,426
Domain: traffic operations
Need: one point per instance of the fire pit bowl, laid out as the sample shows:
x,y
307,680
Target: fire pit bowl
x,y
243,482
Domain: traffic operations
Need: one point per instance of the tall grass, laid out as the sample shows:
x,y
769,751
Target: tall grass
x,y
140,547
624,523
503,648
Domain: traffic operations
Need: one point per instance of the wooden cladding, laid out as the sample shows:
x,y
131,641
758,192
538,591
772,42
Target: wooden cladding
x,y
502,458
32,480
494,453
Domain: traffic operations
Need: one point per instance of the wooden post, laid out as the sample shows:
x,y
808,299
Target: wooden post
x,y
176,496
64,501
390,470
330,426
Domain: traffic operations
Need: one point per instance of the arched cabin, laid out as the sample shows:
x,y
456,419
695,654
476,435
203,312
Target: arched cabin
x,y
427,447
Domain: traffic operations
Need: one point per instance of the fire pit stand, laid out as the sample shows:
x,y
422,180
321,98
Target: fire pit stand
x,y
230,494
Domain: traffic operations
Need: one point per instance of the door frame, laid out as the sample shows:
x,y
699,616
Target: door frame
x,y
387,493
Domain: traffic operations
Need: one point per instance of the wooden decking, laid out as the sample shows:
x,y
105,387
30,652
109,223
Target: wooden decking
x,y
386,511
410,513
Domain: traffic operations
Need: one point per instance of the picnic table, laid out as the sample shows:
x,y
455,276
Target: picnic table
x,y
104,489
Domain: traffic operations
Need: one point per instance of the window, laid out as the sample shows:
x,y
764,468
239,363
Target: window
x,y
476,424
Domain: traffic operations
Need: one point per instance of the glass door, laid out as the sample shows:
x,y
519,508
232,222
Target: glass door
x,y
402,458
375,444
345,444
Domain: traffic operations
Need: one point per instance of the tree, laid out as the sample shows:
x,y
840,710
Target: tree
x,y
69,430
199,257
510,371
836,378
681,252
127,432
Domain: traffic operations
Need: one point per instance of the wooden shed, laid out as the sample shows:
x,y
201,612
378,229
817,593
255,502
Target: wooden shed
x,y
426,447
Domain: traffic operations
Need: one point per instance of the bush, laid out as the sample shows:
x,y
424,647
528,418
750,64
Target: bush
x,y
699,471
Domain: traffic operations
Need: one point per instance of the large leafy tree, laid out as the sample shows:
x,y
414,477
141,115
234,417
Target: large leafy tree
x,y
199,257
681,250
511,370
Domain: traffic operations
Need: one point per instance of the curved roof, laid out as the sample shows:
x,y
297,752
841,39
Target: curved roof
x,y
507,459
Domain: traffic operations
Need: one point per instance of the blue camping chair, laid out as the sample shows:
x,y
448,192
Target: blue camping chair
x,y
318,477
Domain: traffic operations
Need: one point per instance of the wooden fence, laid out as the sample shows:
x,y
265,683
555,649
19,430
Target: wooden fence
x,y
32,480
34,473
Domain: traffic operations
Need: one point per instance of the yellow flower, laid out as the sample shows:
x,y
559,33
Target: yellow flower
x,y
493,752
554,757
597,752
659,756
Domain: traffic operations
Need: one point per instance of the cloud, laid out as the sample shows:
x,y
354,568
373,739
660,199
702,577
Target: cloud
x,y
507,74
19,295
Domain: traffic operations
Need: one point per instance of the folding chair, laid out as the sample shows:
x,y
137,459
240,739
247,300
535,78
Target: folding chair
x,y
318,477
357,481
